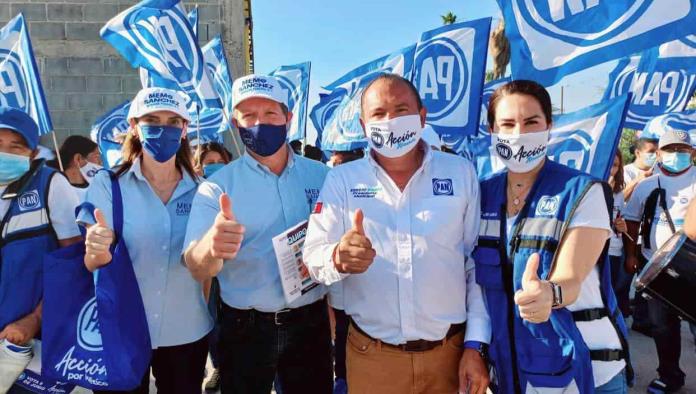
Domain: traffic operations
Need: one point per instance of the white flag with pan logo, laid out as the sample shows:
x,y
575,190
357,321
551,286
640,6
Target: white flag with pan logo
x,y
448,71
679,121
553,38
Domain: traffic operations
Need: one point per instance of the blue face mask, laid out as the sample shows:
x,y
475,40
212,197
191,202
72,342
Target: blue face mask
x,y
264,139
675,162
12,167
649,159
161,142
210,169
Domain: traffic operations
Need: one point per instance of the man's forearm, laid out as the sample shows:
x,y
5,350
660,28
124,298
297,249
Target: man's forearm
x,y
200,261
630,187
690,221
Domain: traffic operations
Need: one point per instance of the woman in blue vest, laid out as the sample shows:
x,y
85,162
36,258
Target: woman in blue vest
x,y
37,215
541,260
157,183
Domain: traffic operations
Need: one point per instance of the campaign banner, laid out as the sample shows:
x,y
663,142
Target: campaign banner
x,y
661,80
109,131
219,71
449,70
156,34
20,83
342,130
323,110
678,121
294,80
585,140
553,38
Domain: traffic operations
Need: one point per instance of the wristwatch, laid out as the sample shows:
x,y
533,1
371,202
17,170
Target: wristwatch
x,y
557,294
480,347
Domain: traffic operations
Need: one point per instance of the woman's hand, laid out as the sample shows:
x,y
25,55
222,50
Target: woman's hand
x,y
620,225
97,243
535,299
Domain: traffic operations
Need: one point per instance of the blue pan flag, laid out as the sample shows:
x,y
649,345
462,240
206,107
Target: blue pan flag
x,y
553,38
661,80
585,140
449,70
342,130
678,121
156,34
109,131
20,83
294,80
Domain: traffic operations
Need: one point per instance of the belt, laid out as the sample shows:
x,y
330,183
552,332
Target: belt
x,y
420,345
282,317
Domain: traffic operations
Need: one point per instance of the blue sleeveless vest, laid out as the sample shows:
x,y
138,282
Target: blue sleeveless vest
x,y
26,235
550,354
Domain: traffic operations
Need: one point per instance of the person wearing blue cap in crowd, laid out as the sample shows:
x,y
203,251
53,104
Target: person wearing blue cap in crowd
x,y
273,189
657,210
158,183
37,212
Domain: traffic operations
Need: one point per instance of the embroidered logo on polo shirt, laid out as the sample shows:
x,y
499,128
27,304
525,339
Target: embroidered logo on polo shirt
x,y
183,208
29,200
365,192
312,195
548,205
442,187
317,207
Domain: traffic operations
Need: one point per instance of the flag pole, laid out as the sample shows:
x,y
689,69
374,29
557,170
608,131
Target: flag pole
x,y
198,131
55,143
231,129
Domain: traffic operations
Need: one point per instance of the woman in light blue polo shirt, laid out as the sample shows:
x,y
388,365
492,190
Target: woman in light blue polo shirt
x,y
157,183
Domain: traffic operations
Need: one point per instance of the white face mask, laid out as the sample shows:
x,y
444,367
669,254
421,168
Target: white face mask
x,y
521,152
394,137
89,170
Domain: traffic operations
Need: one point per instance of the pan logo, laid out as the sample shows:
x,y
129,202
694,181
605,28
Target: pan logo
x,y
441,76
572,148
13,89
560,19
292,91
173,33
88,334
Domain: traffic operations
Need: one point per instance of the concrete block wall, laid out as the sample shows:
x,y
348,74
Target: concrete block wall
x,y
83,76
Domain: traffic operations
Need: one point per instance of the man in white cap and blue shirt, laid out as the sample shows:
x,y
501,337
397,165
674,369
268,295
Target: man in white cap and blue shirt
x,y
234,217
658,207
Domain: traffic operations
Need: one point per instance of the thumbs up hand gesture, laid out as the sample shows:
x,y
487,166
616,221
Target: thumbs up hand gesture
x,y
226,233
97,243
535,299
354,252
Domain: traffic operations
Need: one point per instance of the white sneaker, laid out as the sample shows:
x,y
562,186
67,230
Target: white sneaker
x,y
13,360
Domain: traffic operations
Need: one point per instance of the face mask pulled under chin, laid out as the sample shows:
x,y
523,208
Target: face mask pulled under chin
x,y
89,171
394,137
521,152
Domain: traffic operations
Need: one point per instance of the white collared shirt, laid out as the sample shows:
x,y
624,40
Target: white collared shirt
x,y
422,280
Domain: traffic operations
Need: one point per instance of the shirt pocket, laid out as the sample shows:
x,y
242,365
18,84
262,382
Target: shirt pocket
x,y
440,219
488,268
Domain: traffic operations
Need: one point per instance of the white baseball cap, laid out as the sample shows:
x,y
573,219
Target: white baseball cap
x,y
150,100
255,85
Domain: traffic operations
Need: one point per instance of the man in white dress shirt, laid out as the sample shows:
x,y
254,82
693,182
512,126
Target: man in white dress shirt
x,y
398,228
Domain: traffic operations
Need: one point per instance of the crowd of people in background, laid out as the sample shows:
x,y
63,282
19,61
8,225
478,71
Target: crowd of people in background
x,y
422,275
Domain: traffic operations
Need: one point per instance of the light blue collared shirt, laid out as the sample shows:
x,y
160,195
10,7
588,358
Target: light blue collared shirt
x,y
267,205
176,309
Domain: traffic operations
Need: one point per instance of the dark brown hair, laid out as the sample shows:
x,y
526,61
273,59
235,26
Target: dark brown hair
x,y
619,182
526,87
133,149
208,147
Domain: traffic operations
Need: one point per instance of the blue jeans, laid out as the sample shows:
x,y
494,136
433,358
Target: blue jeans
x,y
617,385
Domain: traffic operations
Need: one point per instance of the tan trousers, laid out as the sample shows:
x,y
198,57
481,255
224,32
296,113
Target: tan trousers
x,y
375,368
